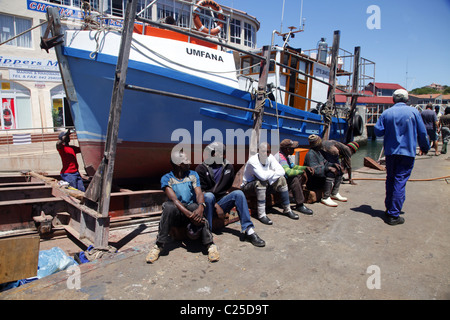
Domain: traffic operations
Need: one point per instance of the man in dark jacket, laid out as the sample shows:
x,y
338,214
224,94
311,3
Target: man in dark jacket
x,y
216,178
326,174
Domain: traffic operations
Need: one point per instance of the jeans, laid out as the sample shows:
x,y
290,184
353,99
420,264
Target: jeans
x,y
74,180
172,217
234,199
398,171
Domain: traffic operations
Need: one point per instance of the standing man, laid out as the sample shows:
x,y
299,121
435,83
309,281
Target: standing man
x,y
294,174
431,124
68,154
216,178
444,127
401,126
184,207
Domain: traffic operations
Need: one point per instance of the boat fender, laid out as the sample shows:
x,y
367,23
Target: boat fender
x,y
358,125
198,23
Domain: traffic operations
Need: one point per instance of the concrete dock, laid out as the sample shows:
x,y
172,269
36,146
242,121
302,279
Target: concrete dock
x,y
341,253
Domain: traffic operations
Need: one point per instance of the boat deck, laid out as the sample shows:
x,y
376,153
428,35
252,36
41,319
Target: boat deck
x,y
329,255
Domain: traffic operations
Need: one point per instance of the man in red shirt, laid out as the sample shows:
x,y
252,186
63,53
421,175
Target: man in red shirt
x,y
69,171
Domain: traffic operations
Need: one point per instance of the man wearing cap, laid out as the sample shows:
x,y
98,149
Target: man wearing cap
x,y
184,207
326,175
216,178
402,126
263,173
337,152
431,124
293,173
68,153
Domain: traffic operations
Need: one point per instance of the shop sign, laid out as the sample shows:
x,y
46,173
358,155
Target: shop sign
x,y
34,75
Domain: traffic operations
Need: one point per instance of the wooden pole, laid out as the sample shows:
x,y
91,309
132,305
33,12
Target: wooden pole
x,y
332,81
100,187
258,114
356,57
260,100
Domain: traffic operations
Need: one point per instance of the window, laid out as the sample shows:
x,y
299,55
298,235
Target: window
x,y
249,35
11,26
15,109
235,31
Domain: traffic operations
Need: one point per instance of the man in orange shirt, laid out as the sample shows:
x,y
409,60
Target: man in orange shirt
x,y
69,171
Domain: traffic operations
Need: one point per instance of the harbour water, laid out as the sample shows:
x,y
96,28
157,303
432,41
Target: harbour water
x,y
372,149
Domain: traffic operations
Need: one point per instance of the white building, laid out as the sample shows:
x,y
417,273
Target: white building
x,y
31,87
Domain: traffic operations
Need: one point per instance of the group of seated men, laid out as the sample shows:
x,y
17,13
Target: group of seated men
x,y
196,197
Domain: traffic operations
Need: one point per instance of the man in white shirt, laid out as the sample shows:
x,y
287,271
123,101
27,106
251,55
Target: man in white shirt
x,y
264,173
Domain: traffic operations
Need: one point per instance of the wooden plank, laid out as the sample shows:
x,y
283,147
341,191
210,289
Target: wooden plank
x,y
18,258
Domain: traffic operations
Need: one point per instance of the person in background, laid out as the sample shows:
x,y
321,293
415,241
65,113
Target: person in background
x,y
216,178
337,152
430,120
293,173
402,126
325,175
184,208
263,173
444,127
68,153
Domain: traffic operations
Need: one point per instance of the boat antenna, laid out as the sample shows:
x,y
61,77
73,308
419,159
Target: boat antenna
x,y
282,17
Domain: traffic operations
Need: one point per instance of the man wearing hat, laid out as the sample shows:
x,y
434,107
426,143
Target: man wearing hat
x,y
326,175
68,154
337,152
216,178
402,126
294,174
185,206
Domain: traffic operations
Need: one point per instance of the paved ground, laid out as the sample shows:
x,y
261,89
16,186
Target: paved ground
x,y
346,252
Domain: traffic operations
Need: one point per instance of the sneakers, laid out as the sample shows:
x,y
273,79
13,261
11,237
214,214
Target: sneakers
x,y
153,255
338,197
213,253
328,202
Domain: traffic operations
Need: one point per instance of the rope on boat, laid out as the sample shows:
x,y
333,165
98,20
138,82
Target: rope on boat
x,y
414,180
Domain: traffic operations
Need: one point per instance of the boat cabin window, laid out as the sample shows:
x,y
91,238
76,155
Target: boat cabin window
x,y
249,35
247,61
235,31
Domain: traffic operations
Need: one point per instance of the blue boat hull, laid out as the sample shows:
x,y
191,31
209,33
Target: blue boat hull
x,y
151,125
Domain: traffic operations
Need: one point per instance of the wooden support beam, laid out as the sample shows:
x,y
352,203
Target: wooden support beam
x,y
332,81
99,189
354,97
260,101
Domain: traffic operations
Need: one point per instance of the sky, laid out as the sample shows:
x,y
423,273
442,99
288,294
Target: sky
x,y
409,40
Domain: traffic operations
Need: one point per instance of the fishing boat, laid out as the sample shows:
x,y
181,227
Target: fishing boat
x,y
187,91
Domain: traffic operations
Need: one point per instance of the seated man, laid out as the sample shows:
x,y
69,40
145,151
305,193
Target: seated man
x,y
184,207
68,154
294,174
327,175
337,152
216,178
264,173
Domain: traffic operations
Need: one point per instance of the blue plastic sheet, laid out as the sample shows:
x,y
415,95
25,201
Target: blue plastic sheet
x,y
50,262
